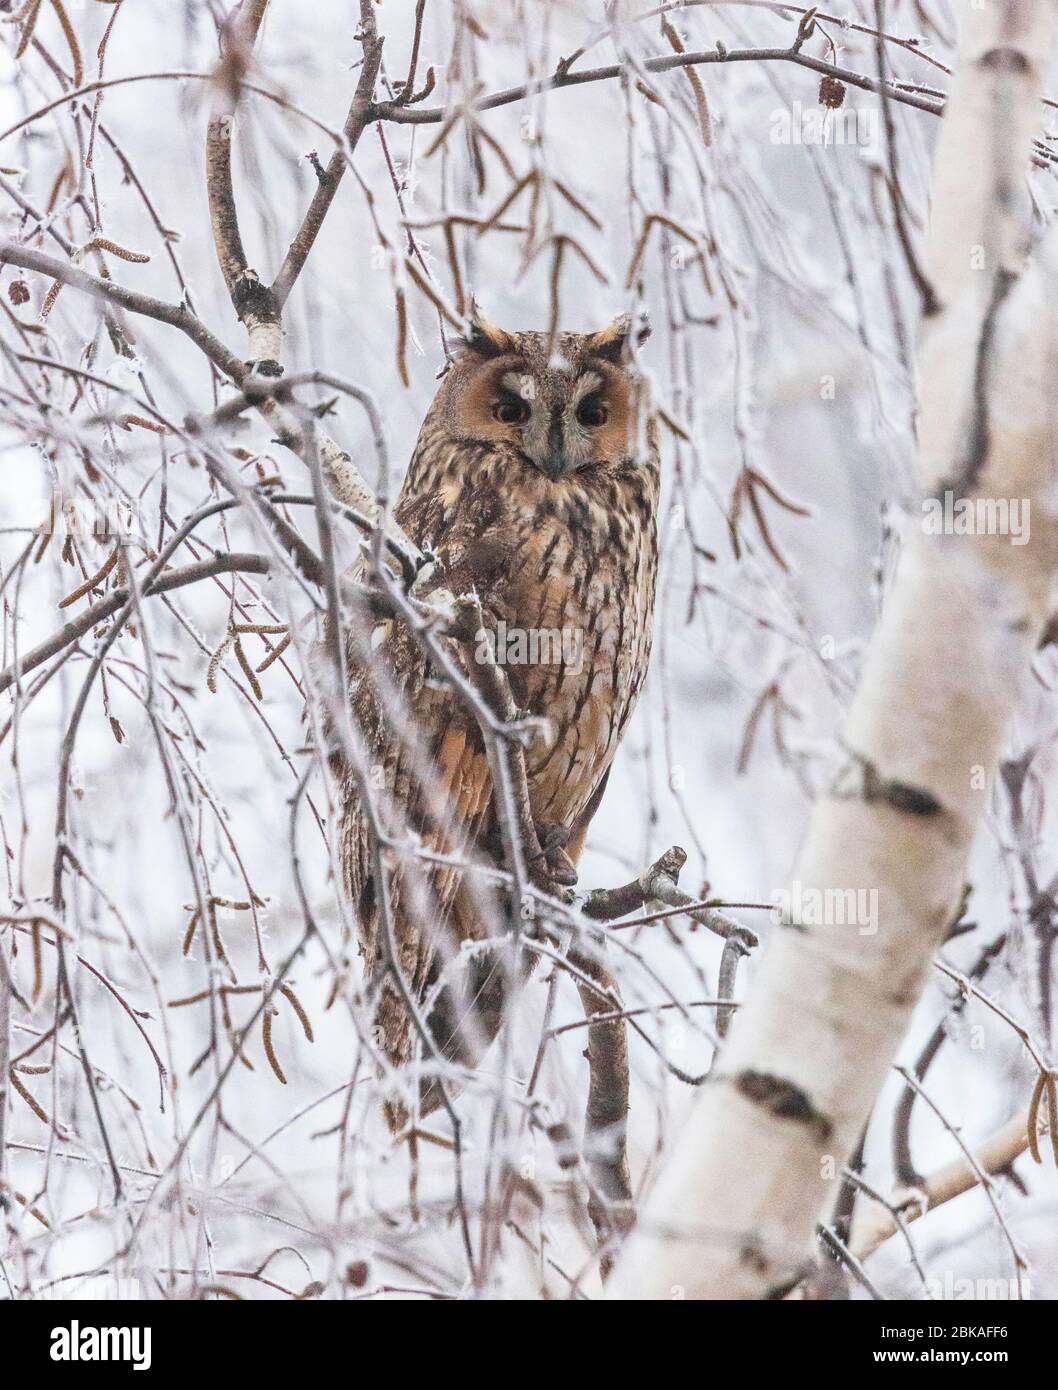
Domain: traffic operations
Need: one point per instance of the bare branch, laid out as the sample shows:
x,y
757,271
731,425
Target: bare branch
x,y
330,176
177,315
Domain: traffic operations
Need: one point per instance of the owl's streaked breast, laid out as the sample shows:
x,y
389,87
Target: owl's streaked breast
x,y
565,572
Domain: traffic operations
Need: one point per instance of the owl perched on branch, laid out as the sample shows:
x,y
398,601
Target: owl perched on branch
x,y
534,483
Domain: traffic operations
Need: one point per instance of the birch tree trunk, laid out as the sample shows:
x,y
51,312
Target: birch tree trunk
x,y
734,1212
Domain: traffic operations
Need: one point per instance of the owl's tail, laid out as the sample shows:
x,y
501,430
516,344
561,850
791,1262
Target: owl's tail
x,y
459,971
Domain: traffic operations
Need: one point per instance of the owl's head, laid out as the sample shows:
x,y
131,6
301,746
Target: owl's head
x,y
577,407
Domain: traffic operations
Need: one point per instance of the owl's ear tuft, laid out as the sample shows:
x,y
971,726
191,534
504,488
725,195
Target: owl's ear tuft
x,y
485,338
613,343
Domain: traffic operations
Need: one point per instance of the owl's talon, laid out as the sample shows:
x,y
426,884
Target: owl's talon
x,y
551,835
553,840
561,867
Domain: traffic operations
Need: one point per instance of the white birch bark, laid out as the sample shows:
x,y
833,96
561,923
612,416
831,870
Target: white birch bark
x,y
734,1212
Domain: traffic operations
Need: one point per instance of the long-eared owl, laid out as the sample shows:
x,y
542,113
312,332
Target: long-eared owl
x,y
534,483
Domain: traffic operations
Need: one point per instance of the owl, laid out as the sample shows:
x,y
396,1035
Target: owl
x,y
534,483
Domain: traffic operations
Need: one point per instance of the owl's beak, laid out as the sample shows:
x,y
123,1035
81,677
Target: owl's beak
x,y
556,464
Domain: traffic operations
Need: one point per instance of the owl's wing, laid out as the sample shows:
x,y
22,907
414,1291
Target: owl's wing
x,y
435,784
579,833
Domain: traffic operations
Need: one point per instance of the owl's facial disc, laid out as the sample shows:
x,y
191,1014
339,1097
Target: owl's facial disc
x,y
555,426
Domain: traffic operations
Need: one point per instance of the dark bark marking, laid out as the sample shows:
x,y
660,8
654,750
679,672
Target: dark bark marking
x,y
1005,60
783,1099
902,796
980,427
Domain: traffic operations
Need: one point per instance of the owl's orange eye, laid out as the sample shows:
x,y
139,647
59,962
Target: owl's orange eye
x,y
511,410
592,413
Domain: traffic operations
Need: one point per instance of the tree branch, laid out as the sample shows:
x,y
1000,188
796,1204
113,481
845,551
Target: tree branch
x,y
97,613
253,301
360,113
610,1204
667,62
874,1227
176,315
